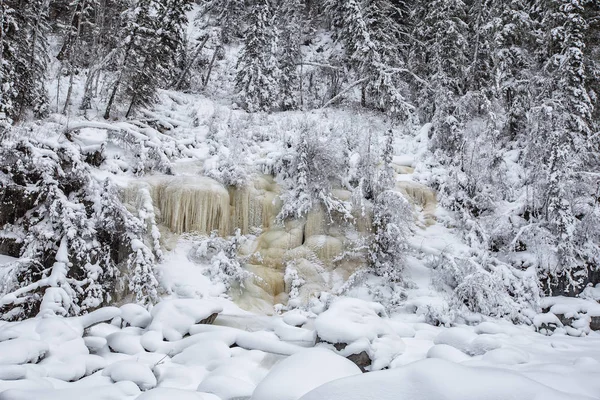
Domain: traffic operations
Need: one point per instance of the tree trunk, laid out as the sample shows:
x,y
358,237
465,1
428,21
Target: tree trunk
x,y
210,67
190,64
112,99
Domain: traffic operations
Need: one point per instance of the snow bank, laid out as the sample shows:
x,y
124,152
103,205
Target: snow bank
x,y
296,375
175,394
119,391
435,379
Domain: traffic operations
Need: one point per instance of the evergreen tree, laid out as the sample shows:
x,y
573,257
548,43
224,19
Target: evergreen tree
x,y
152,35
370,34
289,18
257,69
8,72
25,57
563,120
441,59
514,64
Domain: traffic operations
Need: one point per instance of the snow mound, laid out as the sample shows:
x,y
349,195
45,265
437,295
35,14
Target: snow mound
x,y
22,351
348,320
506,356
570,306
298,374
203,352
294,318
175,394
174,318
135,315
124,342
459,338
434,379
448,353
135,372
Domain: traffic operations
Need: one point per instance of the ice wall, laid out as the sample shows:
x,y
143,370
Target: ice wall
x,y
314,247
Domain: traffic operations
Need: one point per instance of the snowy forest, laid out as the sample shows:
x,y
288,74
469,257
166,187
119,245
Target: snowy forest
x,y
262,199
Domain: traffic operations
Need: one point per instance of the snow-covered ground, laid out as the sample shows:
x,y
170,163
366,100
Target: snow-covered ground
x,y
179,350
128,353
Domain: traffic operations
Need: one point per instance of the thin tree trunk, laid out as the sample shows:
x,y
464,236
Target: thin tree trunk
x,y
210,67
190,64
131,106
69,91
111,100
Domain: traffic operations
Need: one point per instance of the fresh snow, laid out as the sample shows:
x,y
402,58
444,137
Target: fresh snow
x,y
298,374
435,379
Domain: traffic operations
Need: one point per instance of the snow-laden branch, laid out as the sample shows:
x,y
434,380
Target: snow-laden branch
x,y
316,64
346,90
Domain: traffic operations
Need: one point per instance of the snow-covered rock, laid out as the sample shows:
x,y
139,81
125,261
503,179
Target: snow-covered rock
x,y
174,318
135,315
21,351
358,331
203,352
133,371
123,342
459,338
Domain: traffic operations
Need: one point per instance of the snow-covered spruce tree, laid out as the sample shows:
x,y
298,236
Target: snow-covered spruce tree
x,y
483,20
8,72
514,65
71,231
152,35
289,18
392,216
229,17
24,57
370,33
561,133
257,69
440,57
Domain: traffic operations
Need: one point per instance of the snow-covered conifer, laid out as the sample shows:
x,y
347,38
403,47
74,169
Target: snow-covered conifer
x,y
258,68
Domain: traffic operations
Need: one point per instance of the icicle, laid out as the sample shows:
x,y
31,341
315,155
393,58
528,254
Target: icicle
x,y
191,204
421,196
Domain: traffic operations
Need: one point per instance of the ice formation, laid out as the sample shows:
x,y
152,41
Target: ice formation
x,y
311,249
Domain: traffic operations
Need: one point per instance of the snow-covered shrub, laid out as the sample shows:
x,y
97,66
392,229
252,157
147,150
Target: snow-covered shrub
x,y
485,286
220,255
392,216
316,167
293,283
71,231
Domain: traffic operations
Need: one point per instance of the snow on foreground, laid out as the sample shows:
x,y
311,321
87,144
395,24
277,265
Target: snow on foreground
x,y
173,352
